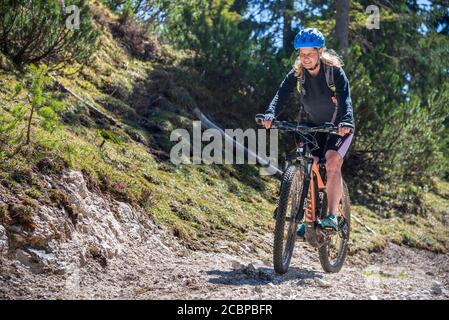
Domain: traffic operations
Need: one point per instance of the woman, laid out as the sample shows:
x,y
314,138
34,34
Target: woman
x,y
325,95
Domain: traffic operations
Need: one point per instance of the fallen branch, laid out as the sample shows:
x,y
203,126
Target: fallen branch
x,y
362,224
91,107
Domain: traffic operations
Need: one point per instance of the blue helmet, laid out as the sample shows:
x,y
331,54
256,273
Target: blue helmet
x,y
309,38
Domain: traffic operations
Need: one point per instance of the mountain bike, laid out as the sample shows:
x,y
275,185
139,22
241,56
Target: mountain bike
x,y
302,198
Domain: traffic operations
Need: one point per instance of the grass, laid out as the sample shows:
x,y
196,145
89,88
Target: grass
x,y
194,201
430,232
372,274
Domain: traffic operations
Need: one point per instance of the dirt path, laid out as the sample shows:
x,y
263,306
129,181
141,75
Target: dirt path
x,y
116,252
155,271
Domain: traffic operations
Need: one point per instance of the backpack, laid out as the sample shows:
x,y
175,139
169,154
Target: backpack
x,y
329,74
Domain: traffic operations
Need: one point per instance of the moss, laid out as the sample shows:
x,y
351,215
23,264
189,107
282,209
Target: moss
x,y
147,198
104,181
4,218
427,233
117,86
22,176
52,165
118,107
86,85
135,135
110,136
77,116
33,193
21,214
372,274
120,191
181,232
29,202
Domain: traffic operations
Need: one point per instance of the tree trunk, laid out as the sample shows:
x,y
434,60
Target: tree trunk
x,y
240,6
342,24
30,119
287,33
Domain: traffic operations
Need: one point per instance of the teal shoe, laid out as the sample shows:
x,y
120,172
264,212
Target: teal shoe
x,y
301,232
330,222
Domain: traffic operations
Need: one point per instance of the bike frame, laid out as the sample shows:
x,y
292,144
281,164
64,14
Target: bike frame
x,y
313,182
315,178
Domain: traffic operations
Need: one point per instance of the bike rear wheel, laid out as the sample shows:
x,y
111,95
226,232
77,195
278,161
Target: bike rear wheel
x,y
333,253
286,226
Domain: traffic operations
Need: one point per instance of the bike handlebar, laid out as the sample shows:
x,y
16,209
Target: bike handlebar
x,y
327,127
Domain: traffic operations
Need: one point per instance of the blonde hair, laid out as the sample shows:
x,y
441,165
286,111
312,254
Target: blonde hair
x,y
329,57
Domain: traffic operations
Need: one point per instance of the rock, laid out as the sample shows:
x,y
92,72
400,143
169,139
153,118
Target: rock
x,y
386,274
250,270
60,268
126,212
373,297
236,265
41,255
128,216
306,282
82,258
286,293
258,289
251,267
76,183
266,262
191,282
3,240
24,257
436,288
37,260
266,275
446,293
322,284
430,273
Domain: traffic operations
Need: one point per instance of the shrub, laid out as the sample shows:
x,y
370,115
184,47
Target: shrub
x,y
135,38
35,31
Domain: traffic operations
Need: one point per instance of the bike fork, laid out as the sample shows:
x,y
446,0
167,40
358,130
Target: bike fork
x,y
304,193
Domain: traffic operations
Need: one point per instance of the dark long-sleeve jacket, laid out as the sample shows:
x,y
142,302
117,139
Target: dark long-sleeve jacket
x,y
317,100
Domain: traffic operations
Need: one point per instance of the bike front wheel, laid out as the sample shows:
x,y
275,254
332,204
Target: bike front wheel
x,y
286,225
